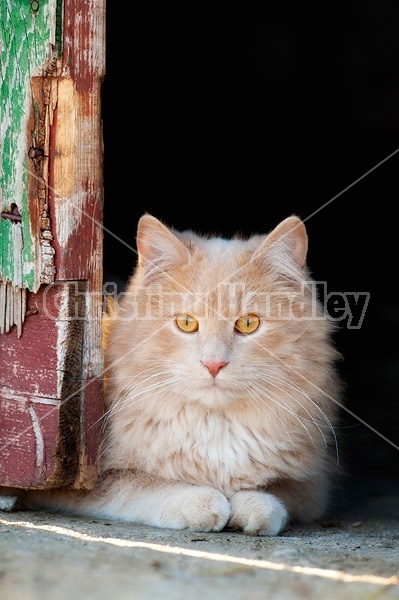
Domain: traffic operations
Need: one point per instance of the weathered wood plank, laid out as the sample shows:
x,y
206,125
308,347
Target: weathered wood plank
x,y
44,419
76,197
27,48
12,307
58,357
28,436
76,180
91,430
34,367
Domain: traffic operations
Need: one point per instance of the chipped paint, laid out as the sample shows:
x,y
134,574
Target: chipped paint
x,y
25,50
63,324
86,27
56,366
12,397
67,150
12,307
38,437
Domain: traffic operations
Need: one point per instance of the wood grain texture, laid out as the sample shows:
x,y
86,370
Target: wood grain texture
x,y
12,307
58,358
40,427
28,435
26,42
83,61
77,176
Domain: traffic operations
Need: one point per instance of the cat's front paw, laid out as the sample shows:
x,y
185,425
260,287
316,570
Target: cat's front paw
x,y
257,513
196,508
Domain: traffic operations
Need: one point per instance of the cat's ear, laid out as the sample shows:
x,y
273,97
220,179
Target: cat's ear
x,y
157,244
288,238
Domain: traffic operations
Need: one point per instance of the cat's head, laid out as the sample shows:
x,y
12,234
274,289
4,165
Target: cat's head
x,y
217,321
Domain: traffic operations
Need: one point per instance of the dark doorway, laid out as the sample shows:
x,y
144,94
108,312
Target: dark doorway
x,y
240,115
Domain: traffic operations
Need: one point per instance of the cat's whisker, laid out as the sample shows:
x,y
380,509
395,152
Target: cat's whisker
x,y
269,378
260,402
135,399
143,381
289,383
327,420
296,388
325,417
291,412
312,419
135,395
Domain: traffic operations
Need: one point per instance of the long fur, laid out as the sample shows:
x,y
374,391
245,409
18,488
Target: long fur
x,y
250,447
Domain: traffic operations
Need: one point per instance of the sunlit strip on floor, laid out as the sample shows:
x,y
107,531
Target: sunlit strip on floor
x,y
260,564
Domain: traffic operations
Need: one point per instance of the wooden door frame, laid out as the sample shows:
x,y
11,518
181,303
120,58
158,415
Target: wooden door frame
x,y
51,365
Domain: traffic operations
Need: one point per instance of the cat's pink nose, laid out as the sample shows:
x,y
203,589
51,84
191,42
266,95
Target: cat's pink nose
x,y
214,366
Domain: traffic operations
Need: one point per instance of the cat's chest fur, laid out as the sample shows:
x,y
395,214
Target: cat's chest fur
x,y
206,448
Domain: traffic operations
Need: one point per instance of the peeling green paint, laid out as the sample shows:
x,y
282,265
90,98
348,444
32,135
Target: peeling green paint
x,y
58,28
25,42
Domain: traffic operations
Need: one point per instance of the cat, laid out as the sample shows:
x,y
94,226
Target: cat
x,y
221,387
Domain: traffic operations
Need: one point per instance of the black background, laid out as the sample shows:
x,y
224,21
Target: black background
x,y
225,117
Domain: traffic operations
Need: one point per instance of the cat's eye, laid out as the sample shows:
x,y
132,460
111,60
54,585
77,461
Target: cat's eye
x,y
247,323
187,323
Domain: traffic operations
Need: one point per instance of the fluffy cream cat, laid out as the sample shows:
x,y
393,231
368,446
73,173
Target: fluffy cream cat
x,y
220,386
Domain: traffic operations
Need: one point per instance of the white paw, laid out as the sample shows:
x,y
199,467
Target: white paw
x,y
196,508
257,513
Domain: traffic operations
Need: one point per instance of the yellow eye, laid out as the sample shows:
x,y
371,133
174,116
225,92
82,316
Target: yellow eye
x,y
247,323
187,323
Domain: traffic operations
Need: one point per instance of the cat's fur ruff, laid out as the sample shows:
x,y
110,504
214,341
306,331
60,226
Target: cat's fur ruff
x,y
215,428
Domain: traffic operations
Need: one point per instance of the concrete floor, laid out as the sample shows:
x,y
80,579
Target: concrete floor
x,y
52,557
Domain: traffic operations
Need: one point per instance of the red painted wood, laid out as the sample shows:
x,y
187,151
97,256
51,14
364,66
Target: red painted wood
x,y
58,358
94,413
79,256
28,433
33,426
29,365
92,433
